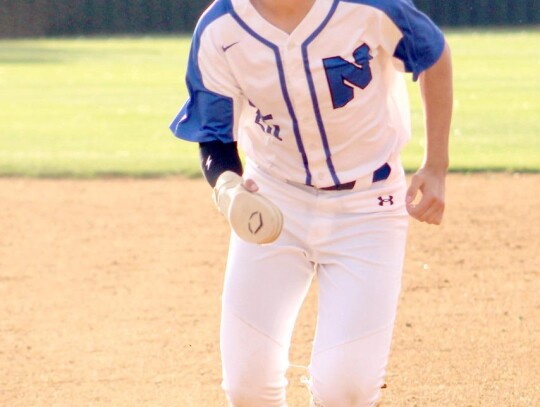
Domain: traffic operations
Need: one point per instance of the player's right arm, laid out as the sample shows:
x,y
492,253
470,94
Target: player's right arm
x,y
217,157
210,115
210,118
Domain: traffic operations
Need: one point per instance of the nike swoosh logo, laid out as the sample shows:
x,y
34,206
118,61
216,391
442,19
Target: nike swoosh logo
x,y
225,49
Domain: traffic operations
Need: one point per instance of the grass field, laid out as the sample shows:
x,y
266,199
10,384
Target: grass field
x,y
96,107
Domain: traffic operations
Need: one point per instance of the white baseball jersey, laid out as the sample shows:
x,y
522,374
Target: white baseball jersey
x,y
322,106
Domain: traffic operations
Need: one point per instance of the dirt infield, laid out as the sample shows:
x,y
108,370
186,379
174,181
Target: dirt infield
x,y
110,296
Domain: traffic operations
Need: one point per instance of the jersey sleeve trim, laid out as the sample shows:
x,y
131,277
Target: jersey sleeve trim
x,y
206,116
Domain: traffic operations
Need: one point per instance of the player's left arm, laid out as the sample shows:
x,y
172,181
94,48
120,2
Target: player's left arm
x,y
437,96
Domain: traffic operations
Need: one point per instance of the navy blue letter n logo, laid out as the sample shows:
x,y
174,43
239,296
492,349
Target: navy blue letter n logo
x,y
339,70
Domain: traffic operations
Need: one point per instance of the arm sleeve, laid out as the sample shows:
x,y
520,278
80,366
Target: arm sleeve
x,y
213,107
217,157
419,43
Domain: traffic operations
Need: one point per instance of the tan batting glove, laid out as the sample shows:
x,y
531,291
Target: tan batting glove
x,y
252,216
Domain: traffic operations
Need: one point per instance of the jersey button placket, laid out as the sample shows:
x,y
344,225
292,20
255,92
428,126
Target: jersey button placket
x,y
299,94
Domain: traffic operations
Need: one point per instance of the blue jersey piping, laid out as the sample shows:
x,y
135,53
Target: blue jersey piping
x,y
313,93
279,64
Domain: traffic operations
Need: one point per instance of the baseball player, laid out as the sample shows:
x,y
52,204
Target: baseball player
x,y
313,93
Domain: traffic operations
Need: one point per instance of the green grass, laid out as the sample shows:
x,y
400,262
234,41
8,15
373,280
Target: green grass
x,y
100,107
496,123
87,107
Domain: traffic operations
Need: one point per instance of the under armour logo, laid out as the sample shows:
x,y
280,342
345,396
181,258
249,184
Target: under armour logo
x,y
208,163
384,200
255,223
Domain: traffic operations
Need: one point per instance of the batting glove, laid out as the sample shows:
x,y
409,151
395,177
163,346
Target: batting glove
x,y
253,217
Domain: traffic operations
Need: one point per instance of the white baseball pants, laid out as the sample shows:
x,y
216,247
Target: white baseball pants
x,y
353,242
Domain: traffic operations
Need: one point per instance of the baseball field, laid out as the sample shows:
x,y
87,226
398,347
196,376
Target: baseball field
x,y
112,255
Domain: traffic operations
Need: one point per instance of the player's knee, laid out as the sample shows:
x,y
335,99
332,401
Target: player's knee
x,y
241,396
246,396
253,390
349,393
253,365
353,391
342,377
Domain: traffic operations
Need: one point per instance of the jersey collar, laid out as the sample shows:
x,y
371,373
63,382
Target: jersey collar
x,y
250,16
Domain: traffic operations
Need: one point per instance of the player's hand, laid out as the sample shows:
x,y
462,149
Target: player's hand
x,y
251,185
431,183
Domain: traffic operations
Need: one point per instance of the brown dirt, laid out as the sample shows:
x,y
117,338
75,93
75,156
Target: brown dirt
x,y
110,296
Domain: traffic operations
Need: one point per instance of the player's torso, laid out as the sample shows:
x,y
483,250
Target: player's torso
x,y
316,102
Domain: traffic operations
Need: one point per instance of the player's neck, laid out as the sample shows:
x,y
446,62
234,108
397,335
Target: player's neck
x,y
284,14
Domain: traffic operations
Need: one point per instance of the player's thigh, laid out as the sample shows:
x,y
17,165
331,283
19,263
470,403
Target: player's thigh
x,y
358,297
359,278
263,291
265,285
254,365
